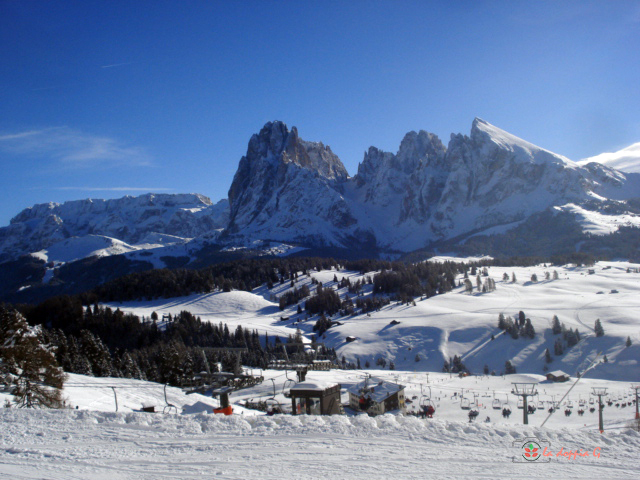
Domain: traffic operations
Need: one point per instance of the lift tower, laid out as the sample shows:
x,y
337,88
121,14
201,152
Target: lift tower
x,y
524,390
599,392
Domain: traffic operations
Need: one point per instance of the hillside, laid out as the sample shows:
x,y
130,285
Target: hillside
x,y
456,323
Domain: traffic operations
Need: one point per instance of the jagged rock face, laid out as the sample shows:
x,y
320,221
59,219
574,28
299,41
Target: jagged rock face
x,y
426,192
129,219
496,178
289,189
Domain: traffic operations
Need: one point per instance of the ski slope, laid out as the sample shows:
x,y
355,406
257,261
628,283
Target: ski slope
x,y
96,442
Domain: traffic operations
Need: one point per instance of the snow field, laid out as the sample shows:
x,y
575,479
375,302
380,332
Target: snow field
x,y
456,323
98,445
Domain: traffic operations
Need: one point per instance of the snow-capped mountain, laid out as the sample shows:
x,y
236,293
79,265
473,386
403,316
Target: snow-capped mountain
x,y
132,220
288,190
625,160
405,201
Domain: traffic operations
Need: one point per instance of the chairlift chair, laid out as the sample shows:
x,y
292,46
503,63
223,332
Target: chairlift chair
x,y
273,406
425,402
570,404
288,383
520,404
497,404
541,405
465,404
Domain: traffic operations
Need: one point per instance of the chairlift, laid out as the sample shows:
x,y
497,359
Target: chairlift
x,y
288,383
570,404
592,401
168,408
426,404
273,406
496,404
465,404
541,405
520,403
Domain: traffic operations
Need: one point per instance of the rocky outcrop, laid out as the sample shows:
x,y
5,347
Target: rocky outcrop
x,y
288,189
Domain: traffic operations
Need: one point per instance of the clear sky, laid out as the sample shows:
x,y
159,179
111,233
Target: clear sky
x,y
106,98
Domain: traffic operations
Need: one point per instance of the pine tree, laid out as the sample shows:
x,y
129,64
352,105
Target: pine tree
x,y
513,277
509,368
628,342
558,348
97,354
555,275
528,330
547,356
505,277
446,368
534,278
571,337
30,365
521,318
599,331
468,286
555,325
502,323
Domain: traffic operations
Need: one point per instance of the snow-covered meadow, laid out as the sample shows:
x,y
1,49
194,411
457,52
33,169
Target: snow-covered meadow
x,y
456,323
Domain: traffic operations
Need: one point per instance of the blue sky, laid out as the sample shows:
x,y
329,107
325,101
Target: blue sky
x,y
106,98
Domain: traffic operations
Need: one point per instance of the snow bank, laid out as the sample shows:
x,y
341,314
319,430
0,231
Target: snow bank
x,y
83,444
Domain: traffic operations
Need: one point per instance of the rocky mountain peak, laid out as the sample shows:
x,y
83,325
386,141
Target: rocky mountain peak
x,y
280,165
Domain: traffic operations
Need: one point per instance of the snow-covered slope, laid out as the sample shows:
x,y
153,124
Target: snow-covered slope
x,y
625,160
456,323
75,248
96,442
128,219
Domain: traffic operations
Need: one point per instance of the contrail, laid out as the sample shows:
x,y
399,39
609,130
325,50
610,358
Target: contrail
x,y
117,65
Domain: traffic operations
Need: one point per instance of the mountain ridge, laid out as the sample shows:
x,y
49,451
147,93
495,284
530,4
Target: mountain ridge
x,y
287,190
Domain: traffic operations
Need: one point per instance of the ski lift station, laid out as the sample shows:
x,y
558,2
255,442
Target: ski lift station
x,y
316,398
376,396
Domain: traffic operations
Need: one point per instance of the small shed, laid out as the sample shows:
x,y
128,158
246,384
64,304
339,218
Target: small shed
x,y
376,396
315,398
558,376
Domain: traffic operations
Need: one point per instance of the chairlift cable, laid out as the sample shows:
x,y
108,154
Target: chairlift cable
x,y
595,360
